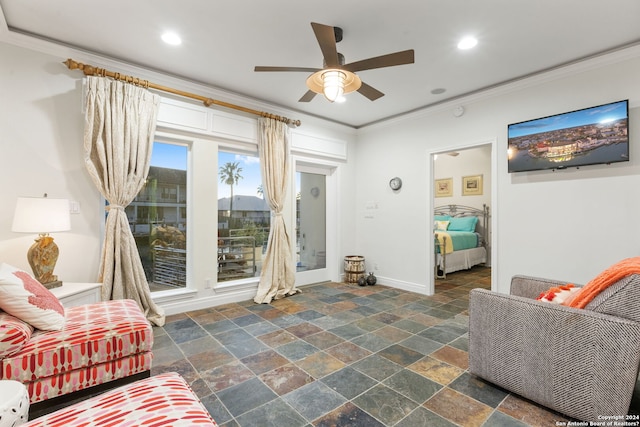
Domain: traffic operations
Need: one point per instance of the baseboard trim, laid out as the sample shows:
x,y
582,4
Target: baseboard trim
x,y
246,292
227,296
405,286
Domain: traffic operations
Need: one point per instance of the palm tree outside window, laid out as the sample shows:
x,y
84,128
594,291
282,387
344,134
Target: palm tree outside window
x,y
230,175
244,218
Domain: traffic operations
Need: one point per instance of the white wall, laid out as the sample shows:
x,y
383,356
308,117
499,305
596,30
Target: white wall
x,y
41,151
567,224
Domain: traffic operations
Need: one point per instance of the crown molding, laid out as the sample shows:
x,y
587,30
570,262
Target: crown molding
x,y
63,52
593,62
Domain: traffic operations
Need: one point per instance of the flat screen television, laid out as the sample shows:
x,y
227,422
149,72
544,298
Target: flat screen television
x,y
590,136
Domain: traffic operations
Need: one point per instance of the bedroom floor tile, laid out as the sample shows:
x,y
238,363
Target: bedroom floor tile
x,y
448,404
253,392
342,355
348,415
323,340
286,378
320,364
314,400
349,382
276,413
385,404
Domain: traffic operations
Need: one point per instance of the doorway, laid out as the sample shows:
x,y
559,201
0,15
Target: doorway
x,y
315,219
455,167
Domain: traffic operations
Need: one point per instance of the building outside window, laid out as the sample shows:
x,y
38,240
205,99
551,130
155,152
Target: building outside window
x,y
244,217
158,218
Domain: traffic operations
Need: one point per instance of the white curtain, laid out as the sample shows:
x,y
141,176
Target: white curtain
x,y
278,275
120,123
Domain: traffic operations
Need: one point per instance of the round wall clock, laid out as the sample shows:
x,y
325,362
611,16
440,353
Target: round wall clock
x,y
395,183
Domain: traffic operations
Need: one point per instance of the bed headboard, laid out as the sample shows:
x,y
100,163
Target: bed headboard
x,y
459,211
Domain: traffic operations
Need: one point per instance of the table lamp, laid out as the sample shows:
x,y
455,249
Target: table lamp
x,y
42,215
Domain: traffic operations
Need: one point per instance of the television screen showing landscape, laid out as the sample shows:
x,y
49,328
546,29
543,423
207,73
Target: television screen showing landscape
x,y
590,136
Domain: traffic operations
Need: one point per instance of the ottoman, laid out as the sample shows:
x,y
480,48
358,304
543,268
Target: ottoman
x,y
162,400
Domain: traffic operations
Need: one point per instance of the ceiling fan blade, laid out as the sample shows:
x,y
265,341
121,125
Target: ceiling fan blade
x,y
390,60
305,69
370,92
327,41
307,96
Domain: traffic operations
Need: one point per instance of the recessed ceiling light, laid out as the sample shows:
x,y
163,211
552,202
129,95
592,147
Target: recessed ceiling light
x,y
171,38
467,43
438,91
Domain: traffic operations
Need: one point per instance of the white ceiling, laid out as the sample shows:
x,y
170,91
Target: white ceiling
x,y
224,40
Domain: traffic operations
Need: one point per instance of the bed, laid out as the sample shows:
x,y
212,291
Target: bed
x,y
461,236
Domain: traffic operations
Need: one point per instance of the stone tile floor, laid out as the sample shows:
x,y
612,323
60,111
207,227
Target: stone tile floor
x,y
341,355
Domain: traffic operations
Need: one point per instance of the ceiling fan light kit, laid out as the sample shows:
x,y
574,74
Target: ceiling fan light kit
x,y
333,83
336,78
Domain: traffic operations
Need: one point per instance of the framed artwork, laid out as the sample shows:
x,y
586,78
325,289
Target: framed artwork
x,y
444,187
472,185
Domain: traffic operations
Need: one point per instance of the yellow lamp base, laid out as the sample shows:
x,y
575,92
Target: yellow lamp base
x,y
42,257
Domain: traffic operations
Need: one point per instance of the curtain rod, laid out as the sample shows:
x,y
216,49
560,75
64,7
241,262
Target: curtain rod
x,y
90,70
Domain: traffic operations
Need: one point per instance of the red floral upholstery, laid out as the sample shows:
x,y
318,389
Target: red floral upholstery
x,y
99,343
163,400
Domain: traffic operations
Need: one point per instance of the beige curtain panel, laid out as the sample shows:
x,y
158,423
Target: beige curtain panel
x,y
277,277
120,123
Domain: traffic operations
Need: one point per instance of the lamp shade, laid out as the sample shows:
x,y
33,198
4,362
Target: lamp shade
x,y
41,215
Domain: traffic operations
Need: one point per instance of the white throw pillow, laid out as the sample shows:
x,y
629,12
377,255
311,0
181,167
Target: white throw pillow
x,y
22,296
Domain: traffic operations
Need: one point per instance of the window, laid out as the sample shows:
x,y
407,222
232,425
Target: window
x,y
244,217
158,218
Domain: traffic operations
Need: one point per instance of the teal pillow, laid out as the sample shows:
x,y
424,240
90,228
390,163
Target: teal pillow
x,y
441,217
467,223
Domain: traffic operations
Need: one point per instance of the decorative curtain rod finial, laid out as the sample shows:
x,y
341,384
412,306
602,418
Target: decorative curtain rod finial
x,y
88,70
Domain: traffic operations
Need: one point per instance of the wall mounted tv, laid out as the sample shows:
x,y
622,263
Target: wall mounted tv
x,y
590,136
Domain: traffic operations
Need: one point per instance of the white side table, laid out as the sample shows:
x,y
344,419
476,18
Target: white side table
x,y
73,294
14,403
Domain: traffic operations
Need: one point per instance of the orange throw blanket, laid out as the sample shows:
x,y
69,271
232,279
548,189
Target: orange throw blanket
x,y
608,277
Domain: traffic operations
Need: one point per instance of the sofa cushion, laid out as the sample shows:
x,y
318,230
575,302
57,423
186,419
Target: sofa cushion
x,y
162,400
93,334
14,333
22,296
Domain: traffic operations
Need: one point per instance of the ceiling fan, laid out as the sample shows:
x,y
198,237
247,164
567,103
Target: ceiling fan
x,y
337,78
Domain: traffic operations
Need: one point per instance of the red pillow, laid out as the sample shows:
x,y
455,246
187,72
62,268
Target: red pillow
x,y
559,294
22,296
